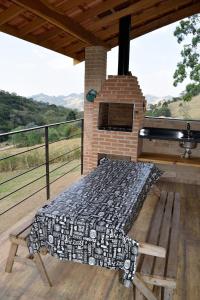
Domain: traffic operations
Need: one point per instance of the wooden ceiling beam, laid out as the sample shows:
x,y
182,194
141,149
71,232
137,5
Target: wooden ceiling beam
x,y
61,21
93,11
152,12
132,9
98,9
33,25
160,22
137,20
153,25
10,13
32,39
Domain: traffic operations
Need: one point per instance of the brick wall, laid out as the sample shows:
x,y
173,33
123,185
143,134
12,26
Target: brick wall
x,y
116,89
95,74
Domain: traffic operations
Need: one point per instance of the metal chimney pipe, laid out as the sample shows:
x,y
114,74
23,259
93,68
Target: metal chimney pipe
x,y
124,45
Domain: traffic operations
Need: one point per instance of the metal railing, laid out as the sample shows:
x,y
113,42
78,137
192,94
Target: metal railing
x,y
78,132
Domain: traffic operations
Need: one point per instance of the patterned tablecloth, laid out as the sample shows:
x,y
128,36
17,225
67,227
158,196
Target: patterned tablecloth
x,y
89,222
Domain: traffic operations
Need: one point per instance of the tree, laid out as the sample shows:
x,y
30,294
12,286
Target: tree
x,y
71,116
188,31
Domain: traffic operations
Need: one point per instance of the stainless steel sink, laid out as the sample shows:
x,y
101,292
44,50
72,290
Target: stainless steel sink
x,y
189,142
188,139
161,133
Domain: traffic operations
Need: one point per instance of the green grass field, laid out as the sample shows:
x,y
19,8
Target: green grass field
x,y
22,166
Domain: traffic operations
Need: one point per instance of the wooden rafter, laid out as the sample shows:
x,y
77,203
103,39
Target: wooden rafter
x,y
36,23
82,17
163,21
30,38
132,9
150,25
10,13
61,21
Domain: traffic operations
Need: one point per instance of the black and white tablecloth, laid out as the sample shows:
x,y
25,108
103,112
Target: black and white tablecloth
x,y
89,222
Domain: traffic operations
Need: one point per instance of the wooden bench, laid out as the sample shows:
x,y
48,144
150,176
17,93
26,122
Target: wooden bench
x,y
19,238
156,277
154,267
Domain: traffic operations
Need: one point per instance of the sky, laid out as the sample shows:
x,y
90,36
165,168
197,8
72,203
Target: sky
x,y
28,69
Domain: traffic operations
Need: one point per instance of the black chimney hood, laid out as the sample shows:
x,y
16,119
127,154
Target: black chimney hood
x,y
124,45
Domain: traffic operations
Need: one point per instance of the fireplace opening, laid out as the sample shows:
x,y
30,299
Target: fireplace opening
x,y
115,116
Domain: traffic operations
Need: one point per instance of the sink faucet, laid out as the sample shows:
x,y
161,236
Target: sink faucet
x,y
188,129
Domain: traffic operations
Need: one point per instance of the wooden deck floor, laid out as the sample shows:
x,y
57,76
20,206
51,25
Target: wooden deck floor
x,y
74,281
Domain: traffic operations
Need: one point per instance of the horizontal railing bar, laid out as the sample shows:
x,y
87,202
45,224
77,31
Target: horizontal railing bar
x,y
38,127
22,187
65,138
65,174
12,178
22,200
64,154
3,158
62,165
38,191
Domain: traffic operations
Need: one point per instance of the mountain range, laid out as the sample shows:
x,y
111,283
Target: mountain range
x,y
75,100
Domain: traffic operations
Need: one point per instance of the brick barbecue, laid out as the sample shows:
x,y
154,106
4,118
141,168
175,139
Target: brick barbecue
x,y
117,116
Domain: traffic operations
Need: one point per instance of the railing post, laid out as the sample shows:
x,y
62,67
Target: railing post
x,y
82,132
47,161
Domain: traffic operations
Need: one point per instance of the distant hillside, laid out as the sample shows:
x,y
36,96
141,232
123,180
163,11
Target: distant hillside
x,y
176,108
186,110
18,111
73,101
152,99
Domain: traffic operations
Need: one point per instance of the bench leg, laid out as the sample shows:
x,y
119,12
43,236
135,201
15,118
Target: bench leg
x,y
168,294
11,257
143,287
41,268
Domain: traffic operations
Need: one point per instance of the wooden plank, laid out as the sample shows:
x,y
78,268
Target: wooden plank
x,y
141,27
61,21
23,235
149,249
172,262
18,241
159,267
159,281
31,26
22,227
97,9
11,256
148,261
91,12
30,38
131,9
41,268
169,159
143,288
10,13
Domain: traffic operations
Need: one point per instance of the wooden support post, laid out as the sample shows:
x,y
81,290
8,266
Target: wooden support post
x,y
143,287
11,257
41,268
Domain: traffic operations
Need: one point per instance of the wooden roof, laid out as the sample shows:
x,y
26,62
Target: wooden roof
x,y
68,26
